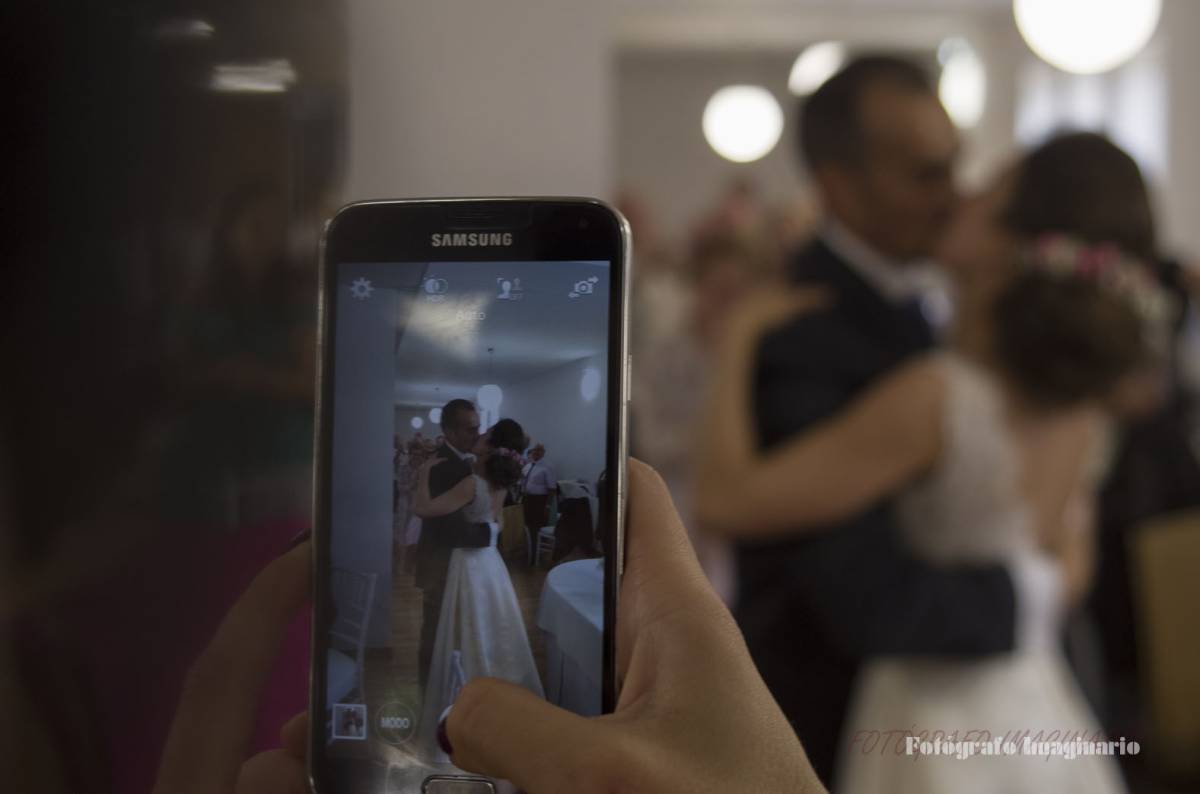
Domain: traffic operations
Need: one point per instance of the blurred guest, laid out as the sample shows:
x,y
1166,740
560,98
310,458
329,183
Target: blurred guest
x,y
740,211
659,292
537,486
672,375
881,151
996,445
417,456
791,223
574,535
1155,471
402,485
654,254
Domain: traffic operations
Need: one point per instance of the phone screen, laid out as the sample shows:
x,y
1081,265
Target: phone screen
x,y
467,411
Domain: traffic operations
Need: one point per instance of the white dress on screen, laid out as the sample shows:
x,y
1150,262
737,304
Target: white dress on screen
x,y
481,631
969,509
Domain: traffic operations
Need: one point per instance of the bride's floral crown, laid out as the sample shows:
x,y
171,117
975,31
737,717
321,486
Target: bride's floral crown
x,y
509,453
1106,265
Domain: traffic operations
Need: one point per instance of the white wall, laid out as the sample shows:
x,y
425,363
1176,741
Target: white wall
x,y
662,155
1179,196
552,410
462,97
363,423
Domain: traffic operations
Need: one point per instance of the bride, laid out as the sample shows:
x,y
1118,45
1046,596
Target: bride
x,y
992,446
480,631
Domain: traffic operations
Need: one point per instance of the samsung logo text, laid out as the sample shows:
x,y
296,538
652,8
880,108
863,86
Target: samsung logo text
x,y
471,239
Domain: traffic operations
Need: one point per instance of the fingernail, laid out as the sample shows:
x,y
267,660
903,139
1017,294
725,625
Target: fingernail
x,y
443,738
298,538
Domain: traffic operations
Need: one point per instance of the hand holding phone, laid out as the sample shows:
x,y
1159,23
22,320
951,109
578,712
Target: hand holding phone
x,y
693,715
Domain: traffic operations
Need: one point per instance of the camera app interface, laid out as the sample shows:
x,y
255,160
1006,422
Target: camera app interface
x,y
468,453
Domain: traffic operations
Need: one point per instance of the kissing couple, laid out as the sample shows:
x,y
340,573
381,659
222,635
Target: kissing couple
x,y
472,624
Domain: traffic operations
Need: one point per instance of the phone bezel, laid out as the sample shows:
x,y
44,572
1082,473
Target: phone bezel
x,y
399,230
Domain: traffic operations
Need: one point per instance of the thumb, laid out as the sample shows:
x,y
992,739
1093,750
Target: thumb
x,y
505,731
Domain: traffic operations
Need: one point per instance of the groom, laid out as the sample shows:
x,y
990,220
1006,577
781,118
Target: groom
x,y
442,535
815,606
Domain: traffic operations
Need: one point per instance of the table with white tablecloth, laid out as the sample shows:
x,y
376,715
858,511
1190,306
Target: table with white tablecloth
x,y
571,613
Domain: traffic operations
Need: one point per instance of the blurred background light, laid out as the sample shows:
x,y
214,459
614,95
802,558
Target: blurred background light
x,y
816,64
183,28
1086,36
589,384
435,415
742,122
269,76
962,86
417,423
488,398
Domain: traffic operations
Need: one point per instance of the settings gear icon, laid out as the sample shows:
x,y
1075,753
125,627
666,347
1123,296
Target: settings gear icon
x,y
361,289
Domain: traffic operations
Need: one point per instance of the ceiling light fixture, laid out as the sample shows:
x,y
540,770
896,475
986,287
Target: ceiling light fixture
x,y
271,76
742,123
816,64
1087,36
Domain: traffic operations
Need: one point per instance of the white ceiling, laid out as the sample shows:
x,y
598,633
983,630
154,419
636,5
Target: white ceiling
x,y
787,24
810,5
443,351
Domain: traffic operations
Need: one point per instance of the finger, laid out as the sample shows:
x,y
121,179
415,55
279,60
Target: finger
x,y
500,729
656,537
272,772
210,735
659,558
662,573
294,736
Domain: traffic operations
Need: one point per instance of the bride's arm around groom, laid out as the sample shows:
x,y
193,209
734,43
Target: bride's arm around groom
x,y
448,501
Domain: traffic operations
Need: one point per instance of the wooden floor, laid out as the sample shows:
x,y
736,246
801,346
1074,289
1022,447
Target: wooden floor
x,y
394,679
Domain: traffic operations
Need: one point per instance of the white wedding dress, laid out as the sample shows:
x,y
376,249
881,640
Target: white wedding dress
x,y
969,510
480,632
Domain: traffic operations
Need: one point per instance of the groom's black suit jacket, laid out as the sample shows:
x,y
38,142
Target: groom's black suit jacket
x,y
816,604
442,535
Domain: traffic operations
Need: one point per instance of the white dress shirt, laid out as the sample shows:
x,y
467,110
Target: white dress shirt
x,y
895,281
540,479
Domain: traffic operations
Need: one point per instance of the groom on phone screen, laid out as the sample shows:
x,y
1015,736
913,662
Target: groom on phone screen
x,y
442,535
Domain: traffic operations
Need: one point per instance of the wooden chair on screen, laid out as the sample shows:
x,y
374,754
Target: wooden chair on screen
x,y
512,531
1166,587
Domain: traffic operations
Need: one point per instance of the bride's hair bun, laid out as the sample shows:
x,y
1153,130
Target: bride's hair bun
x,y
504,463
1083,309
1065,340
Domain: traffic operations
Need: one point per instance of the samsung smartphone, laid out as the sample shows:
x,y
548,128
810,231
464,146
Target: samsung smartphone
x,y
470,473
